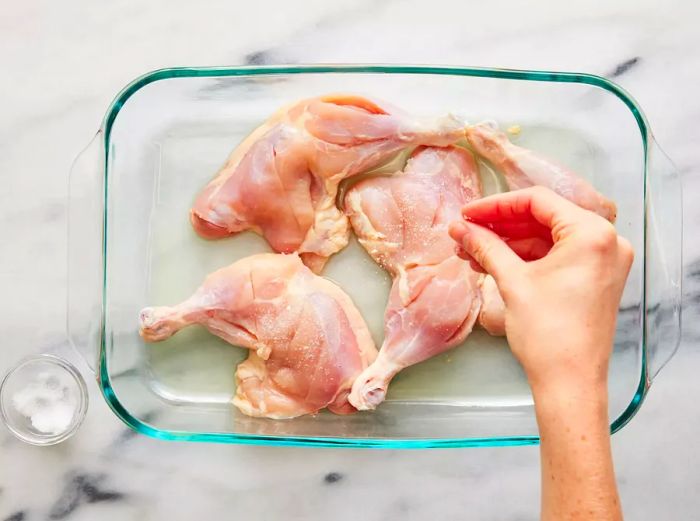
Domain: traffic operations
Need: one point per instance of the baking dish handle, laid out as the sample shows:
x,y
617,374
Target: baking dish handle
x,y
85,251
664,259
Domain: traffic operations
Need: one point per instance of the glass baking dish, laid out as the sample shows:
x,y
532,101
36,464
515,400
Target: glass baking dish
x,y
164,137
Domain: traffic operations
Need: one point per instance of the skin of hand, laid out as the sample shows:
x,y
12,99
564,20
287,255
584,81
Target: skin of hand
x,y
561,271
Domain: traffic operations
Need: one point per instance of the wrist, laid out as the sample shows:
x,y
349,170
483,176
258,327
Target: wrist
x,y
572,414
575,393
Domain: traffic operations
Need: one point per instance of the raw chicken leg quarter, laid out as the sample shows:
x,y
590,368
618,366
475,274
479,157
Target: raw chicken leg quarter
x,y
401,220
307,341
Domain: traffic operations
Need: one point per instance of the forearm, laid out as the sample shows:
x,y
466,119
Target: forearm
x,y
578,480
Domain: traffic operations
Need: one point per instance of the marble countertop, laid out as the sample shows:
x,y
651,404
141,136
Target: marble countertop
x,y
62,64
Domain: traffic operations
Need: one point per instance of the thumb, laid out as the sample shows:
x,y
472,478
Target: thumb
x,y
486,248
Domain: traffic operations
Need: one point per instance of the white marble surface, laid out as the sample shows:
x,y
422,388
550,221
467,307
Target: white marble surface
x,y
62,62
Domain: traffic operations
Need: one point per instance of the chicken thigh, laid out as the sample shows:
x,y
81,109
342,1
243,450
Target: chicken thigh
x,y
307,340
523,168
401,220
282,180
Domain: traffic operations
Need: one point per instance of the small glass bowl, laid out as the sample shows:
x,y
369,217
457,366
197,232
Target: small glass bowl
x,y
43,400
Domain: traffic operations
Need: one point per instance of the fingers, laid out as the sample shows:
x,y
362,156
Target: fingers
x,y
530,249
486,248
505,229
521,229
538,203
472,263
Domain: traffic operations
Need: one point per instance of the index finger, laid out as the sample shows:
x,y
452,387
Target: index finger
x,y
538,203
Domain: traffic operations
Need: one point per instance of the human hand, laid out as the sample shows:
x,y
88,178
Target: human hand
x,y
560,270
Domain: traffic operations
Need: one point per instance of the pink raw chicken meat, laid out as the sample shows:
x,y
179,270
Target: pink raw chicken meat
x,y
307,340
402,222
282,180
522,168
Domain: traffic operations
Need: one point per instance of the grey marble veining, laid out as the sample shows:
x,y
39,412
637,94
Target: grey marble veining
x,y
62,63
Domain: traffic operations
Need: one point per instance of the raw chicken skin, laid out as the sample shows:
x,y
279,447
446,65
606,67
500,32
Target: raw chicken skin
x,y
523,168
282,180
402,222
307,340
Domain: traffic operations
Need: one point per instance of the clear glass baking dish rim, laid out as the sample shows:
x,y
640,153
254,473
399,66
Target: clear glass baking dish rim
x,y
96,355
